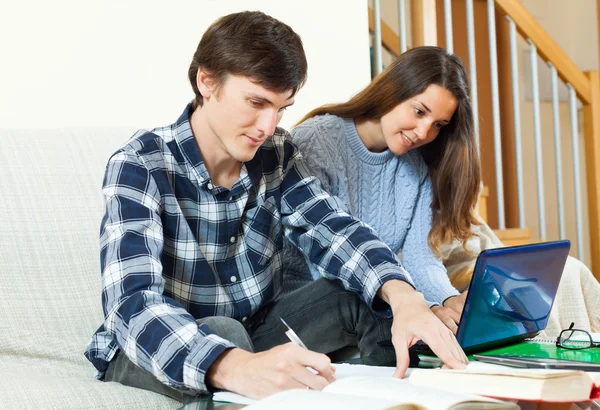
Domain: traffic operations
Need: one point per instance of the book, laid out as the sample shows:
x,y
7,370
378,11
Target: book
x,y
513,383
544,348
547,348
368,388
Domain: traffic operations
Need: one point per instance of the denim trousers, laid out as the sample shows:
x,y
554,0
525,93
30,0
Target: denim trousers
x,y
324,315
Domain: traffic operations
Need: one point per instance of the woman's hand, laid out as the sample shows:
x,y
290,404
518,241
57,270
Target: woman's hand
x,y
450,313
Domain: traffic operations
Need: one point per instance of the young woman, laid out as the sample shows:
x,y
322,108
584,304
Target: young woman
x,y
402,156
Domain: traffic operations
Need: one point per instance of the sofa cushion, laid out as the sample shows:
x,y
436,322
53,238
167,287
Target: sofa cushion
x,y
46,383
50,290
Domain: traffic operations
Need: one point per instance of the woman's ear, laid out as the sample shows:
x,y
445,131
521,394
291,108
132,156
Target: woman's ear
x,y
205,83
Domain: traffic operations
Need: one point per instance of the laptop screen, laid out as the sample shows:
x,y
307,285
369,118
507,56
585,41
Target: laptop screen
x,y
511,294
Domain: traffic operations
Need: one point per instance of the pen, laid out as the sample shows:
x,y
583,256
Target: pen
x,y
295,339
292,335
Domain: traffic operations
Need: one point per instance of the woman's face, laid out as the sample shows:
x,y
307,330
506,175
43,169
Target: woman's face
x,y
418,120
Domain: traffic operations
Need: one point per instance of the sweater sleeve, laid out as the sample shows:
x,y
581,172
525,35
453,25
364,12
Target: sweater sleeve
x,y
311,140
308,141
427,271
337,244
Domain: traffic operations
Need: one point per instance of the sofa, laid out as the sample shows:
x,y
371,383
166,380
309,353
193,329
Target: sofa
x,y
50,212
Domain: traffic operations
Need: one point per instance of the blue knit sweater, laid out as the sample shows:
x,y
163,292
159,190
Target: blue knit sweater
x,y
390,193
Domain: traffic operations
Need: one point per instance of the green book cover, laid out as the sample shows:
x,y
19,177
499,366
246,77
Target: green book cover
x,y
536,348
546,349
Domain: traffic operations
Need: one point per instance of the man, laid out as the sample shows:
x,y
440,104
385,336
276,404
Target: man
x,y
192,236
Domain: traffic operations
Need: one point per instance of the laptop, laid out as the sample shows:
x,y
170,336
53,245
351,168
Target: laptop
x,y
510,296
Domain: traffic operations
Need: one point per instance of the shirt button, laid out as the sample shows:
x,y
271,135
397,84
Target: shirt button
x,y
232,239
210,186
244,319
233,279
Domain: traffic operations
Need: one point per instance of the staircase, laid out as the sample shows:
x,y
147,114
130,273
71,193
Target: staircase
x,y
508,236
490,51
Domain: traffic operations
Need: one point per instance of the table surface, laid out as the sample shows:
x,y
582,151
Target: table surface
x,y
207,403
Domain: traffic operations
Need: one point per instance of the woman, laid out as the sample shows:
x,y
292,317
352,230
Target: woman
x,y
402,156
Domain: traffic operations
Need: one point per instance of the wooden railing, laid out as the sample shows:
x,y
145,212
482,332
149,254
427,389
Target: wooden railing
x,y
585,84
587,87
547,48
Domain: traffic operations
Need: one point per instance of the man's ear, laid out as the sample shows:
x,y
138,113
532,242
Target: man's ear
x,y
205,83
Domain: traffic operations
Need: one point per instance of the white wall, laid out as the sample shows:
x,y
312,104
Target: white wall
x,y
124,63
573,25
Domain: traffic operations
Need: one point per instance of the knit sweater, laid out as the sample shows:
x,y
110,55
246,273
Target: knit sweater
x,y
390,193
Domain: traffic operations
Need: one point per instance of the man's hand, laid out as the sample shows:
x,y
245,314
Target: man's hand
x,y
450,313
413,321
258,375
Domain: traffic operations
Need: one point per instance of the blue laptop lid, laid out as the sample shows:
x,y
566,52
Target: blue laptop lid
x,y
511,294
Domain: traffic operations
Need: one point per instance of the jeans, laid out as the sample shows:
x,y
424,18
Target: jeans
x,y
324,315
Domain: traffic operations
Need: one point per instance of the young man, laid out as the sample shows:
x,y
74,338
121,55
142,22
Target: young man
x,y
192,237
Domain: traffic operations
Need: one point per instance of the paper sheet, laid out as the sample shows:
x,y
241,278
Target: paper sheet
x,y
343,370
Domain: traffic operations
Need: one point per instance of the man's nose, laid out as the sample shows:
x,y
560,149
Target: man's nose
x,y
267,122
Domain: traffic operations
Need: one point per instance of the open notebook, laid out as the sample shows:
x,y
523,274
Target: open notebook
x,y
368,387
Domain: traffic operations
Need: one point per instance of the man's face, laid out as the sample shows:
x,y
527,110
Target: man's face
x,y
241,114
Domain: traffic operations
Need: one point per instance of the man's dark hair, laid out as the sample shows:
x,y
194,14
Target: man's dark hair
x,y
251,44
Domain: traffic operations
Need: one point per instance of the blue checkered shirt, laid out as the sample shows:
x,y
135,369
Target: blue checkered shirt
x,y
175,248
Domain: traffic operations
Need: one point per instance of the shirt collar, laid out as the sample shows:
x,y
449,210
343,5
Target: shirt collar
x,y
187,143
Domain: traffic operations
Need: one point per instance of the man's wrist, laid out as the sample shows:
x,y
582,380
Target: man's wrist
x,y
396,292
221,373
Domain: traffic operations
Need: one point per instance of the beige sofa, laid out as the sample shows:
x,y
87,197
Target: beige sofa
x,y
50,212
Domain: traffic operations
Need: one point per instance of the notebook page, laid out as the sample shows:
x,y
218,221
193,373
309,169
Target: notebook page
x,y
401,391
342,371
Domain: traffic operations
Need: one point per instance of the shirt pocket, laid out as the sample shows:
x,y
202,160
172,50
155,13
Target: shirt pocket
x,y
263,232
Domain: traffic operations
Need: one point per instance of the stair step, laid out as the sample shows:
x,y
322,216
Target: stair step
x,y
514,236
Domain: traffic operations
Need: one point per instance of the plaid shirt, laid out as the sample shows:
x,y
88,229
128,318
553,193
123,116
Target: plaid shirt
x,y
175,248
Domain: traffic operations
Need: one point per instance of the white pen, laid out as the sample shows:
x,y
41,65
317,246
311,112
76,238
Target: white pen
x,y
295,339
293,336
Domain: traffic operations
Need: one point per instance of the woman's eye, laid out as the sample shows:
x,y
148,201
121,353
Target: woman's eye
x,y
438,125
419,112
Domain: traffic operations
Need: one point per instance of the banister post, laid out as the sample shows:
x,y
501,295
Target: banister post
x,y
591,134
424,23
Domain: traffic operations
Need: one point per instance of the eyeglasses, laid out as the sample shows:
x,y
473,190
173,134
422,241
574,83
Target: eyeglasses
x,y
575,339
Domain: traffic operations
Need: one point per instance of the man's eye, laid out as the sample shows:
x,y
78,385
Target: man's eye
x,y
255,103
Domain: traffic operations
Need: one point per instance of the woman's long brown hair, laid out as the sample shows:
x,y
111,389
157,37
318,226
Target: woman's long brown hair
x,y
453,157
